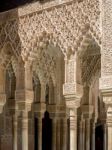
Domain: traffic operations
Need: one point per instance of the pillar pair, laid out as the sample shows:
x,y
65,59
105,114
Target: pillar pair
x,y
56,136
24,131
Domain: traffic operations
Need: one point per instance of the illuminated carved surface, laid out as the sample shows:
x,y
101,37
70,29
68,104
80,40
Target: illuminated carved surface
x,y
58,42
67,28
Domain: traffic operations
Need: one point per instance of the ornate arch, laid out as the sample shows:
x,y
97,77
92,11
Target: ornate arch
x,y
42,62
67,25
88,42
6,54
90,56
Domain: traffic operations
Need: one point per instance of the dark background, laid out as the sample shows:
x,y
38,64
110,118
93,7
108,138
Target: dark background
x,y
10,4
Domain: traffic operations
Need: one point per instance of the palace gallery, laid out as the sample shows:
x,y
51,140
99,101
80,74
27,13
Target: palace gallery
x,y
56,75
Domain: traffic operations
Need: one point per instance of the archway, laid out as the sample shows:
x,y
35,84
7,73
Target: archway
x,y
89,57
99,137
46,132
11,82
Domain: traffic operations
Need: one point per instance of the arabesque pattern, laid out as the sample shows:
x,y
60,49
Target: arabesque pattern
x,y
67,25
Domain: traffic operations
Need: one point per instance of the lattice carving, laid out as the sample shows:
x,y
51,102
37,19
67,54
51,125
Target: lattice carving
x,y
68,24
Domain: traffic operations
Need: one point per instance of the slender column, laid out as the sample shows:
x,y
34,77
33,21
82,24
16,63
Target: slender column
x,y
43,90
54,122
80,143
40,133
105,137
73,130
83,135
93,137
24,130
87,134
15,130
109,145
58,134
64,146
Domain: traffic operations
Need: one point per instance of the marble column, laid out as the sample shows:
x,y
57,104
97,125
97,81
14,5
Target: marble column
x,y
109,131
15,132
24,130
64,146
54,123
40,133
93,137
73,133
87,134
105,137
80,138
43,93
109,143
83,134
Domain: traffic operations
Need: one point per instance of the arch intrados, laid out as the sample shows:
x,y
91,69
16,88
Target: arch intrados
x,y
88,41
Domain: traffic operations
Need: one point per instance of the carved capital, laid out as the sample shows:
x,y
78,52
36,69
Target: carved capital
x,y
24,99
109,113
72,101
39,107
56,108
69,88
105,83
109,121
107,100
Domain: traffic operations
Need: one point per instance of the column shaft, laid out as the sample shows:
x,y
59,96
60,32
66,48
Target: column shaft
x,y
109,143
105,137
80,138
93,137
73,133
24,130
83,135
15,130
64,146
87,134
54,122
40,134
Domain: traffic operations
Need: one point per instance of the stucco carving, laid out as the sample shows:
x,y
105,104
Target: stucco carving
x,y
69,88
105,82
68,28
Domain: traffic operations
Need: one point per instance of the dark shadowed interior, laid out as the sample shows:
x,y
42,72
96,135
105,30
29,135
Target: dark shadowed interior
x,y
10,4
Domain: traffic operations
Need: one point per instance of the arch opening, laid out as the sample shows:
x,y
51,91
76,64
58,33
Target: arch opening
x,y
99,137
46,132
